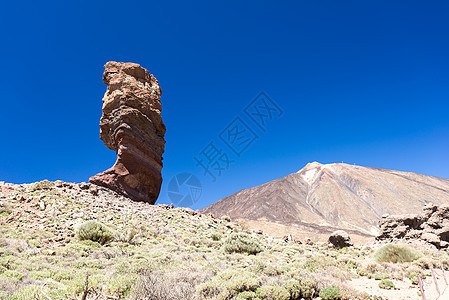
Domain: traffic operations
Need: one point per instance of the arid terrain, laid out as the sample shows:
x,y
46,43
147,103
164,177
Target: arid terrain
x,y
144,251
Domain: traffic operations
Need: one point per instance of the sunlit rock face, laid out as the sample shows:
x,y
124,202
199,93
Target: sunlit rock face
x,y
132,126
323,198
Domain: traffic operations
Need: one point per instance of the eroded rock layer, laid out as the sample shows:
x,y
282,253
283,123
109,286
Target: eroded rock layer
x,y
132,126
431,227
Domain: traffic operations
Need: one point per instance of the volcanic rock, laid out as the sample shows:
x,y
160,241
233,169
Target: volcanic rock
x,y
340,239
431,227
132,126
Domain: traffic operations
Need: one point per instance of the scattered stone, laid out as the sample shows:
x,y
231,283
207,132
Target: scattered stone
x,y
93,190
287,238
189,211
132,126
309,242
84,186
42,205
340,239
171,206
59,183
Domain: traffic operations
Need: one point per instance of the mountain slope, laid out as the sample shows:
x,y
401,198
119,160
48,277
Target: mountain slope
x,y
321,198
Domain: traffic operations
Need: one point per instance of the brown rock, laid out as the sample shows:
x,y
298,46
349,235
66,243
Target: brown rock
x,y
189,211
431,227
340,239
132,126
431,238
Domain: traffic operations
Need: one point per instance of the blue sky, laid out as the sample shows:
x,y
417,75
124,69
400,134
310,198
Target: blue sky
x,y
362,82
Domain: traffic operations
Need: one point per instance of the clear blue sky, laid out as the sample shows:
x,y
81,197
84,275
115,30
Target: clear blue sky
x,y
363,82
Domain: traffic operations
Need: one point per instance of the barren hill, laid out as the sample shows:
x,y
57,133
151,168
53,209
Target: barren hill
x,y
321,198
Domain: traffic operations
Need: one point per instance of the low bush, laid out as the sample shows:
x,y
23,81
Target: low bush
x,y
380,276
426,263
386,284
242,243
228,284
301,288
42,185
413,278
5,208
396,254
94,231
215,236
318,262
179,284
129,236
273,292
330,293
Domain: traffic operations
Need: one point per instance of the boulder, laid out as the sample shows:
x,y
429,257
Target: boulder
x,y
132,126
340,239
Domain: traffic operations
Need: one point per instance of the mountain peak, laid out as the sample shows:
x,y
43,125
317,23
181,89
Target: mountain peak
x,y
321,198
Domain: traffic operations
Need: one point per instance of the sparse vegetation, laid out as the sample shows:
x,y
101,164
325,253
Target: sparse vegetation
x,y
386,284
5,209
158,253
42,185
330,293
95,232
242,243
396,254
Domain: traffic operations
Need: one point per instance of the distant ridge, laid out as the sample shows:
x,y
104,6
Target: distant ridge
x,y
321,198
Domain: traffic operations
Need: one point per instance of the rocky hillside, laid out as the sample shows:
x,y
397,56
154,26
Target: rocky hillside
x,y
63,240
322,198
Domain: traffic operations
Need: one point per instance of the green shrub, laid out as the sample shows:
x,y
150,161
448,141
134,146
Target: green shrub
x,y
63,275
318,262
301,288
215,236
426,263
242,243
120,286
16,276
94,231
228,284
5,209
380,276
413,278
396,254
247,295
42,185
330,293
40,275
273,292
309,287
386,284
26,292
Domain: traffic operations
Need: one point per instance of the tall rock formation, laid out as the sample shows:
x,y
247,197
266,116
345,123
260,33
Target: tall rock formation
x,y
323,198
132,126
